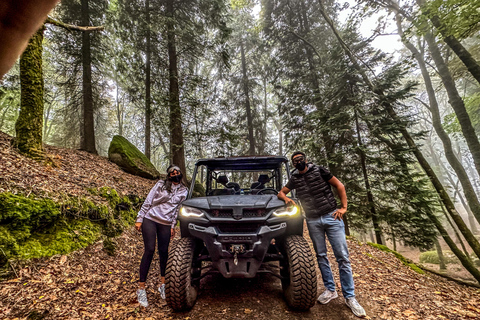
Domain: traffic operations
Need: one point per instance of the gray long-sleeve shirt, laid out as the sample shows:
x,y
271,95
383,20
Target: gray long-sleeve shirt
x,y
162,206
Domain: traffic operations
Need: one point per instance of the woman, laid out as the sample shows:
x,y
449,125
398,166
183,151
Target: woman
x,y
156,221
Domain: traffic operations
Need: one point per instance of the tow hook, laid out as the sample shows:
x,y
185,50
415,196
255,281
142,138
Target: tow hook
x,y
236,249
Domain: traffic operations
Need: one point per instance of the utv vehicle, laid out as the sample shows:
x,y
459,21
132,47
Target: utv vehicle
x,y
235,225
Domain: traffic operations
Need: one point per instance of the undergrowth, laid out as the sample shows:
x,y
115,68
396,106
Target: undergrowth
x,y
34,228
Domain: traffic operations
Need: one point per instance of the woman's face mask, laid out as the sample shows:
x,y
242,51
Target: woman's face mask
x,y
175,176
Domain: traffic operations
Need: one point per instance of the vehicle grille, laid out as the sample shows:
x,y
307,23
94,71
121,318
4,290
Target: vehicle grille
x,y
239,228
221,213
247,213
250,213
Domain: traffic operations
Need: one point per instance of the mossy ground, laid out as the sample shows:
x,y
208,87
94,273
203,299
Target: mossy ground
x,y
404,260
36,228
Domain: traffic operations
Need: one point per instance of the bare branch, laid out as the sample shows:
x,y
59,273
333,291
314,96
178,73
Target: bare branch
x,y
71,27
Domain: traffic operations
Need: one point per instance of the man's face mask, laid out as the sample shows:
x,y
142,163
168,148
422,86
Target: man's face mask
x,y
299,163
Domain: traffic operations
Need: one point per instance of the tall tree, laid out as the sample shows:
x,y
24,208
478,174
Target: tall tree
x,y
29,124
248,109
148,97
177,147
88,129
472,241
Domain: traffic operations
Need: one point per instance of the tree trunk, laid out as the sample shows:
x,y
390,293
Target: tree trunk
x,y
455,231
119,109
88,130
462,53
472,241
441,258
177,148
147,83
455,100
371,202
29,124
437,124
251,139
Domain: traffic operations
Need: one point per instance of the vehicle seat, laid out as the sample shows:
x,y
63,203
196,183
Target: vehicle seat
x,y
234,186
259,184
222,180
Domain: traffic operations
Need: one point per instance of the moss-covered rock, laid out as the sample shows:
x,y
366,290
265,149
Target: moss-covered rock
x,y
130,159
404,260
35,228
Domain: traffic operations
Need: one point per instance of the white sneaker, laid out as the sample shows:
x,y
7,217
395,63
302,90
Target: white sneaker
x,y
357,309
161,289
142,297
326,296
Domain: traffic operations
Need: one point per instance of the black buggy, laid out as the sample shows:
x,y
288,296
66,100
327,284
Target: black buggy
x,y
235,225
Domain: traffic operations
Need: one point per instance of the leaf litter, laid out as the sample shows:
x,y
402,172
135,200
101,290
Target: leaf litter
x,y
89,284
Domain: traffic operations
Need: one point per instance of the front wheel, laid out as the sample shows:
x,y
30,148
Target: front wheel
x,y
180,288
299,282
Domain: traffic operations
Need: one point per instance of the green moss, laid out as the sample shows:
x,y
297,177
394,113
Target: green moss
x,y
404,260
130,159
35,228
29,124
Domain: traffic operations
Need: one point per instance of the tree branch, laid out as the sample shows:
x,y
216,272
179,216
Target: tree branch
x,y
306,42
71,27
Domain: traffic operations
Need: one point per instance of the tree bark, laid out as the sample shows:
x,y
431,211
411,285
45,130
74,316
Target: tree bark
x,y
88,130
177,148
248,109
148,110
29,124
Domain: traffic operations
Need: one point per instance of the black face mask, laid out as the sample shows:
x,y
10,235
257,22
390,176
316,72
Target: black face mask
x,y
176,178
300,165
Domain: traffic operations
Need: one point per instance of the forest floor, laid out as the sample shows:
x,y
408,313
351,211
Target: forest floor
x,y
89,284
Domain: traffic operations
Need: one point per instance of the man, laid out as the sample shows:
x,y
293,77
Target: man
x,y
313,185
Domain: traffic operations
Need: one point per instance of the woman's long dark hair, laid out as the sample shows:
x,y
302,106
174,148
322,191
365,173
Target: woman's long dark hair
x,y
167,184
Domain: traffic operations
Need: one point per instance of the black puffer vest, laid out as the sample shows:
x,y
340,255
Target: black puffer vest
x,y
314,192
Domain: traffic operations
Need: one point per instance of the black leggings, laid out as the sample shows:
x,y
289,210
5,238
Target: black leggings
x,y
150,231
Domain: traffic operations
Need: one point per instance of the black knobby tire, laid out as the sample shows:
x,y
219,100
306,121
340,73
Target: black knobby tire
x,y
180,290
300,277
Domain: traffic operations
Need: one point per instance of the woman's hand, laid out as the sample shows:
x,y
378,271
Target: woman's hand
x,y
138,226
172,233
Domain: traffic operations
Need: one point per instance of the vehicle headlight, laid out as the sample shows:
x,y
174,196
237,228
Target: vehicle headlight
x,y
191,212
286,211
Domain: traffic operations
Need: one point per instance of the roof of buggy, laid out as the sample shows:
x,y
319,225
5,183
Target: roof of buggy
x,y
243,163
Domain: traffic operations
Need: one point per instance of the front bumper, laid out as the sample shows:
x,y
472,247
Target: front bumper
x,y
247,263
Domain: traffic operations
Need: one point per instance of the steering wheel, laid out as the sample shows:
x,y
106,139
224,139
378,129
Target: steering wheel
x,y
267,189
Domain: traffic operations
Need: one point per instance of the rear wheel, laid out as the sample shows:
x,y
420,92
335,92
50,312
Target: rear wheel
x,y
180,286
299,282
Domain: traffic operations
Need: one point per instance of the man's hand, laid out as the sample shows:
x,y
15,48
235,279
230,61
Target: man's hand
x,y
138,226
172,233
339,213
289,202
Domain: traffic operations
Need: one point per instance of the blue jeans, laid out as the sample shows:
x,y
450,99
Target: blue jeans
x,y
335,231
